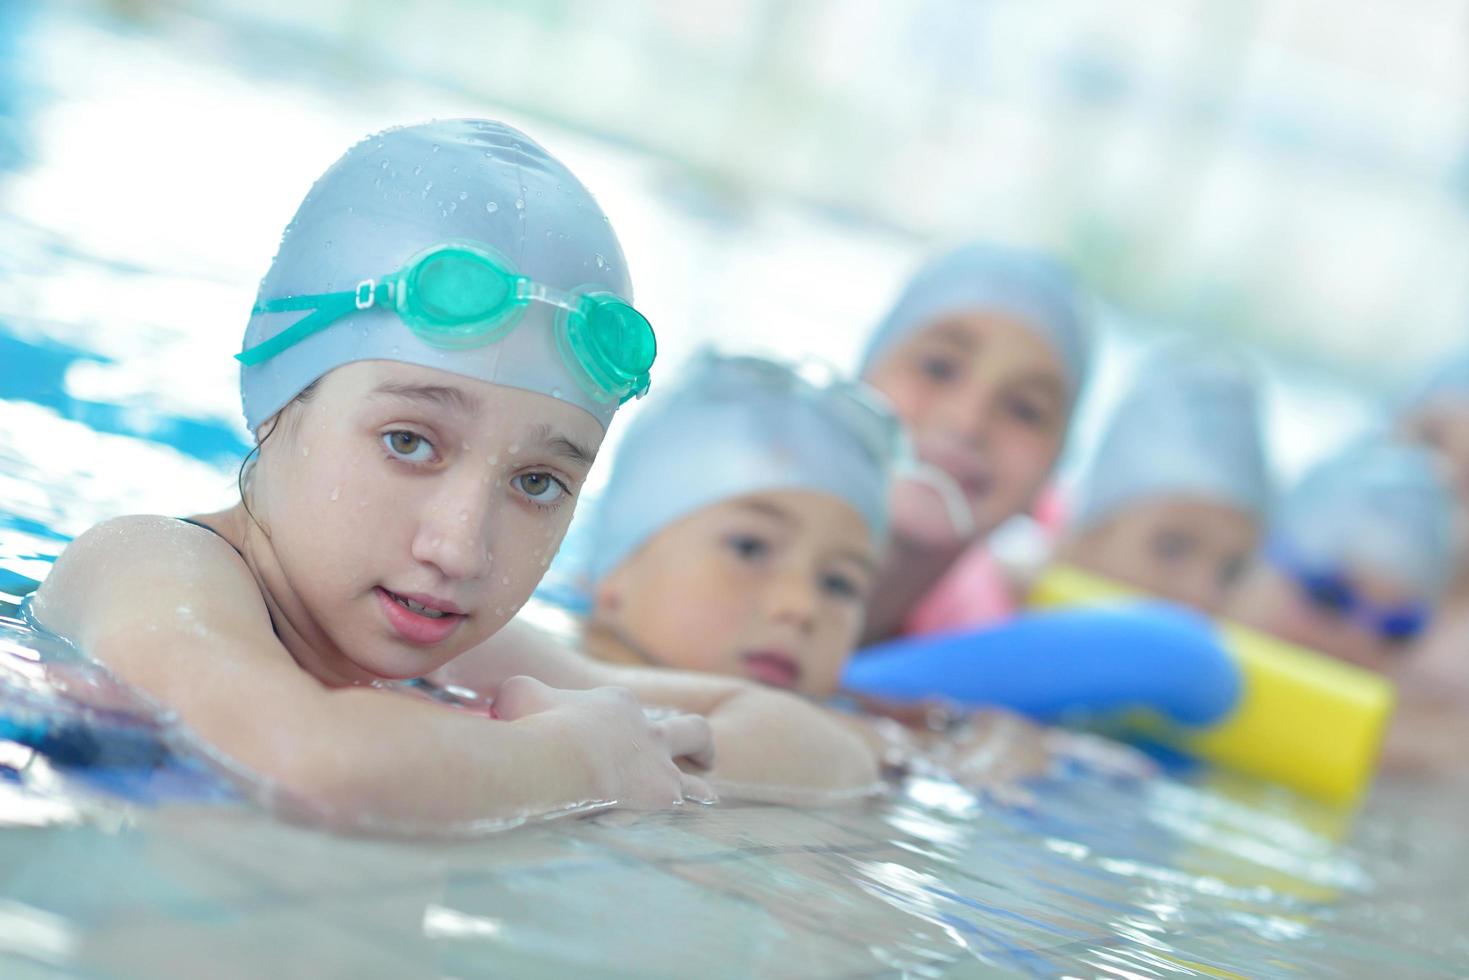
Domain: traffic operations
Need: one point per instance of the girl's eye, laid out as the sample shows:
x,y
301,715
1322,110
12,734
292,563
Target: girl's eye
x,y
841,586
408,446
748,547
543,488
1172,545
1028,412
938,368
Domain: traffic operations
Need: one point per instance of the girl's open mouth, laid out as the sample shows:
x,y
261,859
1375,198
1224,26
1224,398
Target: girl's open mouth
x,y
418,622
772,667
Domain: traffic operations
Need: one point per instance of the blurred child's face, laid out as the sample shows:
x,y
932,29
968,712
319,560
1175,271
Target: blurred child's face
x,y
986,399
395,488
769,586
1269,600
1184,549
1443,427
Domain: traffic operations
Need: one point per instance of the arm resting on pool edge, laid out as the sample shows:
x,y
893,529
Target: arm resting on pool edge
x,y
1053,665
174,611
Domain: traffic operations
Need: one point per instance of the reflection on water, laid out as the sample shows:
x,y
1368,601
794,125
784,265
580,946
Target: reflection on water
x,y
109,865
117,396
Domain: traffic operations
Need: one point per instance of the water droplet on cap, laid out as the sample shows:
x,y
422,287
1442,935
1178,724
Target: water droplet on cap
x,y
463,195
520,204
336,492
601,262
491,207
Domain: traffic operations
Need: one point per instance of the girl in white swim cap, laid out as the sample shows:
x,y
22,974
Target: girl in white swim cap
x,y
429,369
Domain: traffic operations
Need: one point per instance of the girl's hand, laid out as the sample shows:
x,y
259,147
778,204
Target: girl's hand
x,y
630,755
996,748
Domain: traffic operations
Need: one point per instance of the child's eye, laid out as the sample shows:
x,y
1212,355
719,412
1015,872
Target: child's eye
x,y
1172,546
1028,412
543,488
841,586
938,368
408,446
748,546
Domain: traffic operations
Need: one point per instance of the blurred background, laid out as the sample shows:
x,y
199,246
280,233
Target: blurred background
x,y
1290,175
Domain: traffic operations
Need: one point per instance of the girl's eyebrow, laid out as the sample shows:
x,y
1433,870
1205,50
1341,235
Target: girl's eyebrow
x,y
563,446
444,396
858,557
767,509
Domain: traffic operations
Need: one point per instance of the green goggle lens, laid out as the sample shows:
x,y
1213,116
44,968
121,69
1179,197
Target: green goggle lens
x,y
613,343
454,298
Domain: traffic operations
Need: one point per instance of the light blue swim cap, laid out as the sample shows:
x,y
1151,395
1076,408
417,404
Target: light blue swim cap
x,y
738,425
1030,286
401,191
1379,506
1189,426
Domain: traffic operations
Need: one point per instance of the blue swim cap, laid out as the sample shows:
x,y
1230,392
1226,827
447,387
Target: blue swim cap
x,y
1379,506
1189,426
404,190
737,425
1030,286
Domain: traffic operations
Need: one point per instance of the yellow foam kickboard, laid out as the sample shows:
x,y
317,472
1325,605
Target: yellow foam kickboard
x,y
1304,719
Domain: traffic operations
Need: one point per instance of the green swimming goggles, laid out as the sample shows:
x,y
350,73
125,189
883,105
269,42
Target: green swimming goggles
x,y
460,295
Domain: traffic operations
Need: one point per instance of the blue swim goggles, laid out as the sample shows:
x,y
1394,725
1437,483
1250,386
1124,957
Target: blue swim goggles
x,y
1333,592
459,295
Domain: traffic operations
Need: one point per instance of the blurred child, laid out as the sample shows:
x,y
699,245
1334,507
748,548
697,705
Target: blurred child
x,y
1178,490
983,357
1357,559
429,370
739,535
1436,415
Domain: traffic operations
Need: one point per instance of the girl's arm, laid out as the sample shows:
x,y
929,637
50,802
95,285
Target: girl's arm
x,y
769,744
174,611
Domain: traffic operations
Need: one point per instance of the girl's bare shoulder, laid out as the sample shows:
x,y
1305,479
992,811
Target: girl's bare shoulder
x,y
128,567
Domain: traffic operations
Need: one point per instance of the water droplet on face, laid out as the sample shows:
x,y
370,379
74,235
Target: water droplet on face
x,y
504,579
520,204
305,450
513,450
493,459
464,517
336,492
491,207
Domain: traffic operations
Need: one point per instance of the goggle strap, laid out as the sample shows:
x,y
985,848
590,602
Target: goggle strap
x,y
327,307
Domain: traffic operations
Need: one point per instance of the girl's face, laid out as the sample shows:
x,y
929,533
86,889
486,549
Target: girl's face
x,y
1271,601
1185,549
411,511
769,586
986,399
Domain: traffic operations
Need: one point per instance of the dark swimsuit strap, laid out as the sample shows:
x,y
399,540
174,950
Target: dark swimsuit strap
x,y
185,520
212,531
